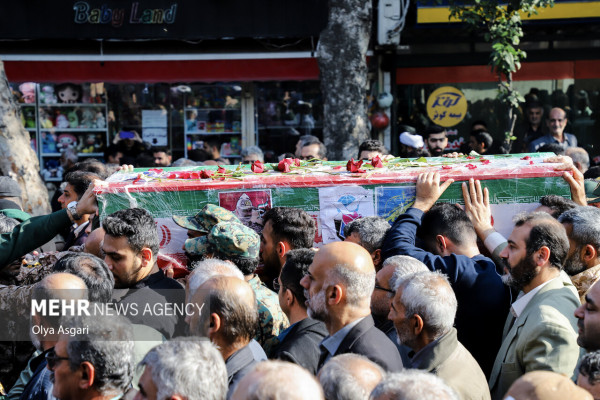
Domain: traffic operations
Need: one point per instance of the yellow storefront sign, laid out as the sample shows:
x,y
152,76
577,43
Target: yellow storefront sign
x,y
446,106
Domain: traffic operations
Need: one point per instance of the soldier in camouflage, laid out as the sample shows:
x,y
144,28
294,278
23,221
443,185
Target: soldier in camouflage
x,y
239,244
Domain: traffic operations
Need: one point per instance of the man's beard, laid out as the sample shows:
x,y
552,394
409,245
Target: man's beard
x,y
403,335
317,308
521,274
573,264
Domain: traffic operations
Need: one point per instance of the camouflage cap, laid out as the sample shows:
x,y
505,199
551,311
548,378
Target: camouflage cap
x,y
209,216
227,238
592,190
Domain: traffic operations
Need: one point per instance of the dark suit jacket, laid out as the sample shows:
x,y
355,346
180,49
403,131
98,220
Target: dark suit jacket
x,y
301,344
367,340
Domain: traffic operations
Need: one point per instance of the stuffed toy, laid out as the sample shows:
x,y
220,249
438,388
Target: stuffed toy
x,y
73,119
28,90
52,170
47,95
100,121
45,121
49,142
87,144
87,118
68,93
61,121
66,141
29,113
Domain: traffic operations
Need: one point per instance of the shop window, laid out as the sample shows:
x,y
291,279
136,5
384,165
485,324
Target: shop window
x,y
286,110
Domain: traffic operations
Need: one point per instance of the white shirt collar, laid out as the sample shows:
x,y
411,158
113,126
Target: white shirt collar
x,y
523,299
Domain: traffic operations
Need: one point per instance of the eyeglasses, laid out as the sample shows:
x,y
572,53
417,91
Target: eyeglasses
x,y
52,359
384,289
276,285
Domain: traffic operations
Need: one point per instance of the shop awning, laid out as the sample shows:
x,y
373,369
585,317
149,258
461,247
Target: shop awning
x,y
131,69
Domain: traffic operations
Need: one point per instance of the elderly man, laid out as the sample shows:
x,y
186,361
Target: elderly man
x,y
394,268
58,286
423,311
369,233
162,377
588,320
540,333
278,380
556,122
285,228
412,385
251,154
338,287
449,245
228,318
240,245
583,260
300,342
96,364
349,377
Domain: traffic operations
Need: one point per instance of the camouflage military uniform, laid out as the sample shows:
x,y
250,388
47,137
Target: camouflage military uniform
x,y
583,281
271,319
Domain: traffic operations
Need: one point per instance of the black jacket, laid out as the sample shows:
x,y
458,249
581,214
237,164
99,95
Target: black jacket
x,y
301,344
367,340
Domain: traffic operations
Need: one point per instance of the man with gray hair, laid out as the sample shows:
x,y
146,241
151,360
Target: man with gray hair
x,y
278,380
581,158
229,318
349,377
412,385
423,311
95,363
369,233
206,269
394,268
251,154
169,367
338,288
583,259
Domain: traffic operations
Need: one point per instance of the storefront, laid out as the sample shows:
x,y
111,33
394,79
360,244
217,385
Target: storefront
x,y
561,70
171,72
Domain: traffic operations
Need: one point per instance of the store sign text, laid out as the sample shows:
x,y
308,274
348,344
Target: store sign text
x,y
85,14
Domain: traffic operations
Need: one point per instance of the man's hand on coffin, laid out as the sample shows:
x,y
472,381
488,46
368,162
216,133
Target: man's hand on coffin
x,y
125,168
477,207
87,204
565,162
577,184
429,190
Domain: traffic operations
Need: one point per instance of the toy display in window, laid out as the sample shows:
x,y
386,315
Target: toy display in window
x,y
28,91
68,93
48,142
47,95
90,143
66,141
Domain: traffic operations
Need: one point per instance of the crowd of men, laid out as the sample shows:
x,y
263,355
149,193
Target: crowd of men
x,y
437,305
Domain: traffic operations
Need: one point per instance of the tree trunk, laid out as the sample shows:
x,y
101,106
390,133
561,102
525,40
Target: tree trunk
x,y
18,160
342,57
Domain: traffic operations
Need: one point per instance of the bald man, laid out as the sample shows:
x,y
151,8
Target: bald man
x,y
229,319
349,376
338,286
57,286
278,380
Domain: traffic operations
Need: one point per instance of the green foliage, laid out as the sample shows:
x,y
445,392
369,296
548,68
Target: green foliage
x,y
500,24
